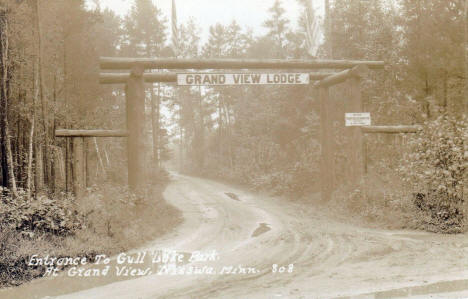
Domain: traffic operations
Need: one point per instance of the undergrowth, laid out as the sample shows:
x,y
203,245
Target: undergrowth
x,y
422,184
377,203
107,220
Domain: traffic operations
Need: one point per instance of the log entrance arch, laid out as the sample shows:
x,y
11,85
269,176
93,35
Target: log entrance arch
x,y
132,74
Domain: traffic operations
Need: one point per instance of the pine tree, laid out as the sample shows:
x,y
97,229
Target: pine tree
x,y
277,26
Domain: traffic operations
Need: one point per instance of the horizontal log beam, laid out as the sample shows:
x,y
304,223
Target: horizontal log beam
x,y
120,63
117,78
391,129
91,133
357,71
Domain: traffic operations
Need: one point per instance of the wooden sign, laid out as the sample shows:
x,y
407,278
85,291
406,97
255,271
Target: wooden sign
x,y
242,79
357,119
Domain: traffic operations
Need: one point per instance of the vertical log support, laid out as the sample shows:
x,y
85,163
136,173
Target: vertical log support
x,y
67,166
364,154
356,146
326,165
85,162
79,175
135,106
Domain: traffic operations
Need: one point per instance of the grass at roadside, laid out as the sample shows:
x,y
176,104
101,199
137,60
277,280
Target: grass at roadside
x,y
386,205
376,206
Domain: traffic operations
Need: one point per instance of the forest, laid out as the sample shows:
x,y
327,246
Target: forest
x,y
266,138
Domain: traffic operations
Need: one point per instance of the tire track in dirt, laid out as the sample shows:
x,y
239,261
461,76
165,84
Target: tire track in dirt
x,y
332,253
330,258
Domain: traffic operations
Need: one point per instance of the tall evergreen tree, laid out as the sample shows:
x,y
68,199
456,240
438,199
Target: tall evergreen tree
x,y
277,26
145,30
434,50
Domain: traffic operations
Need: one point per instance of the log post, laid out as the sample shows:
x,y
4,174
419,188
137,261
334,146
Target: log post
x,y
78,167
135,106
86,163
326,165
68,176
356,137
364,154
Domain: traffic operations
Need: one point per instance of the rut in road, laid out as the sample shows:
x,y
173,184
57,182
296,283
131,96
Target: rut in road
x,y
329,258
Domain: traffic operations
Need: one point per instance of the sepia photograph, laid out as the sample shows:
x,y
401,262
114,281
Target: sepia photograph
x,y
233,149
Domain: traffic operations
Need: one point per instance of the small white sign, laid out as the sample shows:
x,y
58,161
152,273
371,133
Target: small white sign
x,y
242,78
357,119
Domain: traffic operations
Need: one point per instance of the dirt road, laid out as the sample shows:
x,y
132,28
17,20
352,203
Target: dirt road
x,y
318,257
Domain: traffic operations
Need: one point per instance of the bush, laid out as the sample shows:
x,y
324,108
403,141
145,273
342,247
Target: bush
x,y
56,215
13,264
434,170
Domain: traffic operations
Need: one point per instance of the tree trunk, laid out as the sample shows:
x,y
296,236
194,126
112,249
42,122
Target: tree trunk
x,y
107,158
98,153
41,94
4,163
11,173
30,159
466,59
19,147
6,129
39,177
54,153
328,28
31,135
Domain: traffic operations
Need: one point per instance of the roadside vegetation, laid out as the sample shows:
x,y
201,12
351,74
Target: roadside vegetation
x,y
107,220
434,170
425,186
